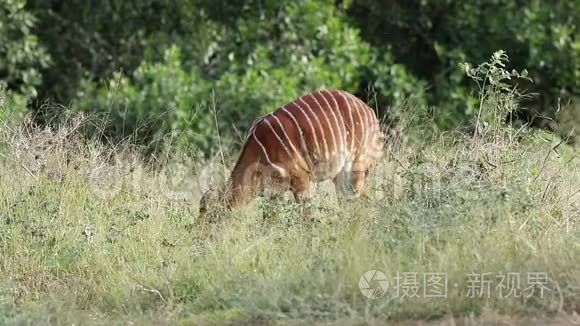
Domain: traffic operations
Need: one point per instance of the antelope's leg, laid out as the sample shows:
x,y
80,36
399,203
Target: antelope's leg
x,y
301,189
358,182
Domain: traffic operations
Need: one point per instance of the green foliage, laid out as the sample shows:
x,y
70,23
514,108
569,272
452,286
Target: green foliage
x,y
551,30
256,55
432,37
491,78
393,82
158,99
12,106
290,50
94,40
21,55
295,48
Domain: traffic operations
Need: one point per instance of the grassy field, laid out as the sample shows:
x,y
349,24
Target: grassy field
x,y
466,230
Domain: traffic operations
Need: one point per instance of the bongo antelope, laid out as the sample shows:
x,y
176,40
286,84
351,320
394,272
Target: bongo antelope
x,y
326,134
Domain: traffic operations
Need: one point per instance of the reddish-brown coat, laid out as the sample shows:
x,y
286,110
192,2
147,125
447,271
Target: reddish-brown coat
x,y
326,134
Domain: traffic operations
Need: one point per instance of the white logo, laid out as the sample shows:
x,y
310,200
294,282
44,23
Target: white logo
x,y
373,284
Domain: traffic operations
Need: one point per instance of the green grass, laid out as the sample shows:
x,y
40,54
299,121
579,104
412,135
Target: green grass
x,y
446,206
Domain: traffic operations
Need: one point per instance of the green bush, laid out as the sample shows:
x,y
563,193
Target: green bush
x,y
21,55
255,55
156,100
12,106
431,37
311,46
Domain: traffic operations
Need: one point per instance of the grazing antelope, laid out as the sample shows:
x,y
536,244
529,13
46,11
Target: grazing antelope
x,y
327,134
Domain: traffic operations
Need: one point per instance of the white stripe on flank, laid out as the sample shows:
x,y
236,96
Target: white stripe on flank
x,y
360,122
335,109
320,126
365,123
276,166
302,140
372,129
277,136
352,130
371,126
311,126
334,147
373,123
287,137
254,124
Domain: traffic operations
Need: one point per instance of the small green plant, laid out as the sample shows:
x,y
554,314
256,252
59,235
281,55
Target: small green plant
x,y
12,105
497,95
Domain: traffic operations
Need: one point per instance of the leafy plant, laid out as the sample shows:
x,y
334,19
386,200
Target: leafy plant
x,y
21,55
313,47
496,96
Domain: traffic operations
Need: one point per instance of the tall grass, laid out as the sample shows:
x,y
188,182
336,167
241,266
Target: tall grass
x,y
92,234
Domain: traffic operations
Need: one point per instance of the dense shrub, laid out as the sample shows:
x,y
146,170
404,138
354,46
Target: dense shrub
x,y
254,66
431,37
255,55
21,58
12,105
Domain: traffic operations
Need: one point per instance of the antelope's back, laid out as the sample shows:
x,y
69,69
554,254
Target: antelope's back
x,y
322,132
